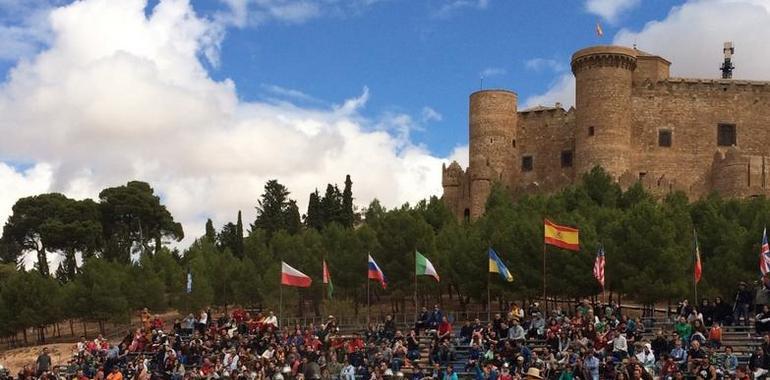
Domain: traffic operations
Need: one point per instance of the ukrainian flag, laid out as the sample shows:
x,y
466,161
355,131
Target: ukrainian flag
x,y
496,266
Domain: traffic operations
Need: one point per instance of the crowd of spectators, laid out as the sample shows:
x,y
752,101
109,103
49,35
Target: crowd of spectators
x,y
590,342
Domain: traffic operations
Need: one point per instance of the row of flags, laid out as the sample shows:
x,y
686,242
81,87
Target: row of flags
x,y
556,235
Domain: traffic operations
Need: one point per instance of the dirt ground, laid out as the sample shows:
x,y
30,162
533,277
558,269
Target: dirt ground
x,y
17,358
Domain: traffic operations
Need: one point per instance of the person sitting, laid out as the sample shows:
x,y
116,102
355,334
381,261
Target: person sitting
x,y
730,362
679,354
516,332
436,316
389,328
763,321
715,335
444,330
271,322
423,321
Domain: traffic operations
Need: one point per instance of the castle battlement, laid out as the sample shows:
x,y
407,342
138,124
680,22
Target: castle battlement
x,y
696,135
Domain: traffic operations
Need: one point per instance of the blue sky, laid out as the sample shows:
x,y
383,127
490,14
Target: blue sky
x,y
207,100
411,55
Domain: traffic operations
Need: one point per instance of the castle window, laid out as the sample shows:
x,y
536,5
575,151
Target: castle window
x,y
566,159
513,143
527,163
664,138
726,135
467,215
590,131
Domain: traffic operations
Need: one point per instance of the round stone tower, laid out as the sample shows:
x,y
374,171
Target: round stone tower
x,y
603,79
492,118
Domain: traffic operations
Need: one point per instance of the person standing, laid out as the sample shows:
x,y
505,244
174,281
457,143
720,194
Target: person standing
x,y
742,304
43,363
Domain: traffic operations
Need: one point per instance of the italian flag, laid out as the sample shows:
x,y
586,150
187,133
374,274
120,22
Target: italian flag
x,y
293,277
327,279
423,266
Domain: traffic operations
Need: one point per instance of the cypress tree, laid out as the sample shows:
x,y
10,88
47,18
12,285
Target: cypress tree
x,y
348,215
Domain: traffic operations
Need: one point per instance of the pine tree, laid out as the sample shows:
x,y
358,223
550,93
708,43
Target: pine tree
x,y
271,211
348,215
211,233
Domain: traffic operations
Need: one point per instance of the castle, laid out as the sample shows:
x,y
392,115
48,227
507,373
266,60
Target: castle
x,y
632,119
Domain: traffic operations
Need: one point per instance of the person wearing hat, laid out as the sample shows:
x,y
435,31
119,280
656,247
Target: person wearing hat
x,y
533,373
742,303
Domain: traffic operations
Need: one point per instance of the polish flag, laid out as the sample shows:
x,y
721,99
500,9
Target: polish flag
x,y
293,277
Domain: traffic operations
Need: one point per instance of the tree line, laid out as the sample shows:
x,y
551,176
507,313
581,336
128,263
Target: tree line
x,y
127,263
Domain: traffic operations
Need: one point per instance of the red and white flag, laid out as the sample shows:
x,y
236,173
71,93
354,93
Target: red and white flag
x,y
698,269
293,277
599,266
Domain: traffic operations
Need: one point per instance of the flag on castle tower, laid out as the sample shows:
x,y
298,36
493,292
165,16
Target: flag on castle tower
x,y
599,31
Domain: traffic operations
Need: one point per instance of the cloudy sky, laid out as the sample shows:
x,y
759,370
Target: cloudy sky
x,y
208,99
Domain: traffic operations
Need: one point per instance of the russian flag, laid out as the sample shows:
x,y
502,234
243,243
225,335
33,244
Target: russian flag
x,y
375,273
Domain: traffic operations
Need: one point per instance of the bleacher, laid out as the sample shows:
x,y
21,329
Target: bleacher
x,y
741,338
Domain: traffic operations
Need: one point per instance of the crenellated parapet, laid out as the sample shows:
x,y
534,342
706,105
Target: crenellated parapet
x,y
594,57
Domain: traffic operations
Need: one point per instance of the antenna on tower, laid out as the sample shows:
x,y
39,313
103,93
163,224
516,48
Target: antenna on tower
x,y
727,67
481,82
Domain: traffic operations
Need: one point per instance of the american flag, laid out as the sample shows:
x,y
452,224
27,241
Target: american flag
x,y
599,266
764,255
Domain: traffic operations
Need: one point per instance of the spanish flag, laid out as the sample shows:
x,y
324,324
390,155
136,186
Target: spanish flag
x,y
561,236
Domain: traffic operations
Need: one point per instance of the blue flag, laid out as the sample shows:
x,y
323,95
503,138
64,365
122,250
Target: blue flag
x,y
496,266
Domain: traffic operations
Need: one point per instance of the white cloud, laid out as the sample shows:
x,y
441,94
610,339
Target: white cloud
x,y
283,93
449,7
121,96
610,10
492,72
21,183
540,64
23,27
429,115
561,91
690,38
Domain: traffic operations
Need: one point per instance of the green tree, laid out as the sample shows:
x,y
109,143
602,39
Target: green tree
x,y
331,206
52,222
274,212
348,213
228,238
238,249
133,214
314,216
211,232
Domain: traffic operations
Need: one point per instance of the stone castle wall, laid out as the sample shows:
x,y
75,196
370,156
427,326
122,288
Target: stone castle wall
x,y
625,99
